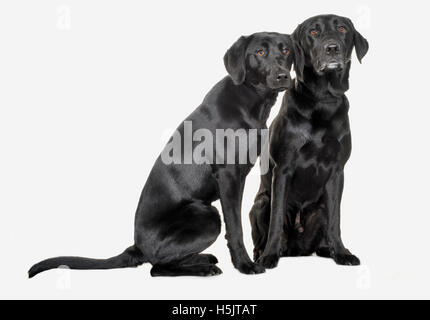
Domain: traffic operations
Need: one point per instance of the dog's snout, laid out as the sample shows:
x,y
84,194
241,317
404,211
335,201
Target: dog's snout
x,y
332,49
282,76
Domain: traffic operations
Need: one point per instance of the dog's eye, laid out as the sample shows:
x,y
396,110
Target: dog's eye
x,y
261,53
286,51
341,29
314,32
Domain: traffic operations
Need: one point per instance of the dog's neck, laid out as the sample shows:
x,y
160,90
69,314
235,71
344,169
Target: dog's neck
x,y
323,88
321,96
260,100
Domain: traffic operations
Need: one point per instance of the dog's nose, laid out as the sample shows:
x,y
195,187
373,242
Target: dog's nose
x,y
332,49
282,76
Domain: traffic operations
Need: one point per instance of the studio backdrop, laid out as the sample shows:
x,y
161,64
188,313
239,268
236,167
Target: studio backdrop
x,y
91,91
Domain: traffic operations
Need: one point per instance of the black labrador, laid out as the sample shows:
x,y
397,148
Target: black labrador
x,y
175,220
297,209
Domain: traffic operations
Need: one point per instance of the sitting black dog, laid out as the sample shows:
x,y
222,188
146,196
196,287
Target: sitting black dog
x,y
175,220
297,209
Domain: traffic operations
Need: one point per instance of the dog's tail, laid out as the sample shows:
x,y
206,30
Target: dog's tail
x,y
132,257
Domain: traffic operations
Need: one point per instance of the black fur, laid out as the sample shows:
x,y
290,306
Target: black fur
x,y
175,220
297,209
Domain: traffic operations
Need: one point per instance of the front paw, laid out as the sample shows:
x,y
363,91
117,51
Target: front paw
x,y
250,268
269,261
346,259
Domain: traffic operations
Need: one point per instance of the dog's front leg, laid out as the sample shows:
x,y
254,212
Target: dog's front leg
x,y
272,252
338,252
231,183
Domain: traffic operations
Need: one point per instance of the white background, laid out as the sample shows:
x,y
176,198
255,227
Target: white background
x,y
90,90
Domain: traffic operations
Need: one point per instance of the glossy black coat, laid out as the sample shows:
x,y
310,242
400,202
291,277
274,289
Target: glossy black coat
x,y
175,220
297,209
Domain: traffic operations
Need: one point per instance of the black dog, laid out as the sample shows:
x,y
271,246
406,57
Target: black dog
x,y
297,209
175,220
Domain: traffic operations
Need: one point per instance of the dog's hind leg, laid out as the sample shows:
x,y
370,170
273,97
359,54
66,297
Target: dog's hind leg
x,y
176,270
313,231
202,258
323,250
192,231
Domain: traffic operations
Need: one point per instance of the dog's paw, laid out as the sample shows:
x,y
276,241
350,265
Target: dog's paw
x,y
250,268
212,270
208,258
269,261
346,259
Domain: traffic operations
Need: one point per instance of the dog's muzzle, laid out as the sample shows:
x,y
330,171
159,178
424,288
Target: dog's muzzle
x,y
331,57
279,80
332,65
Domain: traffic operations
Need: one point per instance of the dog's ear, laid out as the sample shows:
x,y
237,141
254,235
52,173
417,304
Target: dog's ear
x,y
234,60
299,55
360,43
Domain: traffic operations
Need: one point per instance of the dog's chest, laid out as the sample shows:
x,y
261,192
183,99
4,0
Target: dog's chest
x,y
316,146
315,157
318,151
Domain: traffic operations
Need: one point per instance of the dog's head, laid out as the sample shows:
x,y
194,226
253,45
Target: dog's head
x,y
325,43
262,59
